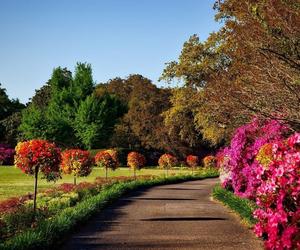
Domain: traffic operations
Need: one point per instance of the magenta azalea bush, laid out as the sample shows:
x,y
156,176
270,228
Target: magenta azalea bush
x,y
278,196
6,155
262,165
238,164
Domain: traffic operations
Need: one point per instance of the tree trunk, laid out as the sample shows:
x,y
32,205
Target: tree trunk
x,y
105,173
36,172
134,173
74,180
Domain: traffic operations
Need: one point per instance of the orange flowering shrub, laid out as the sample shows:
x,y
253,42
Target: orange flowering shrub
x,y
107,159
38,156
77,162
167,161
209,161
136,160
192,161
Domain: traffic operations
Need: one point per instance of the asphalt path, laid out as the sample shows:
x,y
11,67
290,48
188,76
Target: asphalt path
x,y
176,216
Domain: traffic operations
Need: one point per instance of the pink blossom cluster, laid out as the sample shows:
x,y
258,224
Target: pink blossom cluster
x,y
278,196
262,165
238,161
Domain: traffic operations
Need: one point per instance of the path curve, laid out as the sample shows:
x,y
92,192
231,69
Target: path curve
x,y
176,216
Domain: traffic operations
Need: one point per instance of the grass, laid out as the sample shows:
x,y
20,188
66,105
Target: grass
x,y
50,233
243,207
13,182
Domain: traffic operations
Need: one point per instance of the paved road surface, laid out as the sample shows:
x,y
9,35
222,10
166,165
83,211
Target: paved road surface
x,y
177,216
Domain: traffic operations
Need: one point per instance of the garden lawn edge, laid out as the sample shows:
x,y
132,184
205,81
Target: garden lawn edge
x,y
52,232
242,207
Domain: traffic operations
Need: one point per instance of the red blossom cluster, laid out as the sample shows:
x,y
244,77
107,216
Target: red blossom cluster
x,y
136,160
192,161
38,155
77,162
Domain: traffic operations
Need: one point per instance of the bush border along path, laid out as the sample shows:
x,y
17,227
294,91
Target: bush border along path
x,y
243,207
53,231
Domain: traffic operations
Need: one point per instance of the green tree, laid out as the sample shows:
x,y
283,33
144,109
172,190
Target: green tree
x,y
95,120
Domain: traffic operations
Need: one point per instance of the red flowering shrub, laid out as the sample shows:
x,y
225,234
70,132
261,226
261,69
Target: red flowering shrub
x,y
209,161
76,162
136,161
38,156
167,161
6,155
278,196
192,161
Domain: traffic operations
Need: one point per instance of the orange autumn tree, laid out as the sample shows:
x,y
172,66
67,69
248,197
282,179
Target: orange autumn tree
x,y
76,162
36,156
135,161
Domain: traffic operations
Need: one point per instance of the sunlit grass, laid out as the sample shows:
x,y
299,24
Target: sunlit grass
x,y
14,183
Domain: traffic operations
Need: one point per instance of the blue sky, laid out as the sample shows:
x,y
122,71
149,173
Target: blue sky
x,y
118,37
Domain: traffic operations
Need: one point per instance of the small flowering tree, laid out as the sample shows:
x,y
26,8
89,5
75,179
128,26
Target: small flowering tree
x,y
135,161
107,159
76,162
192,161
209,161
167,161
37,156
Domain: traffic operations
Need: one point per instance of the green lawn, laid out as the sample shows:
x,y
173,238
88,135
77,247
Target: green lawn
x,y
14,183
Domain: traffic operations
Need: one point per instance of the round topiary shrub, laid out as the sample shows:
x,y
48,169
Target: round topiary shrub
x,y
107,159
135,161
37,156
76,162
192,161
167,161
209,161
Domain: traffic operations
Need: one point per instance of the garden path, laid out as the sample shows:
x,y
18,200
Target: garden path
x,y
176,216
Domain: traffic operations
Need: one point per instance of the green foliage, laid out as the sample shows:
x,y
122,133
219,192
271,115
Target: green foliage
x,y
95,120
10,126
33,123
243,207
7,106
66,112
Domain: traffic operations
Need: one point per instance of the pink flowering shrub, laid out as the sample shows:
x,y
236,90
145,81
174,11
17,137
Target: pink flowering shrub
x,y
278,196
239,159
260,164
